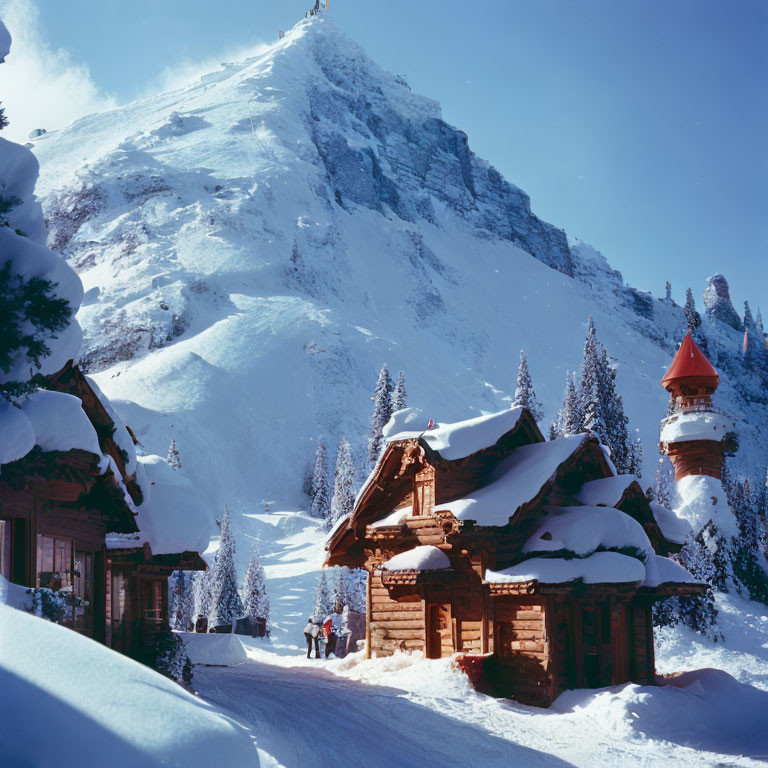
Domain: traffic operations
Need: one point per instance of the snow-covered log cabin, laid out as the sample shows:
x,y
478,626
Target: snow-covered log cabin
x,y
75,518
481,538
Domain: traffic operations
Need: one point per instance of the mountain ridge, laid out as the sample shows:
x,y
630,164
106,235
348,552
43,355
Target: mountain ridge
x,y
255,244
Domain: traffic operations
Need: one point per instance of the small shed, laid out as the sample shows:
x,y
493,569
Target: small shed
x,y
481,538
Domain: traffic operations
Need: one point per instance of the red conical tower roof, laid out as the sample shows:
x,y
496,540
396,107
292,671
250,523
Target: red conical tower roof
x,y
690,367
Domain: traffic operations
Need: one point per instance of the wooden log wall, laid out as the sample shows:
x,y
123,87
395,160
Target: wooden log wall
x,y
696,457
394,625
522,650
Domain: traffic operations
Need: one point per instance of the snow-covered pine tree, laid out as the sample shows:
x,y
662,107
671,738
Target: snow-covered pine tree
x,y
185,619
382,411
635,458
173,459
180,589
747,517
202,595
553,431
343,499
747,548
226,605
399,396
668,291
525,395
698,613
340,589
749,321
323,604
319,490
665,490
592,395
355,588
3,118
616,421
692,317
255,599
571,416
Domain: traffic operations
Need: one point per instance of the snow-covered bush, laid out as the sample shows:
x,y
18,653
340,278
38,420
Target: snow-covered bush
x,y
171,660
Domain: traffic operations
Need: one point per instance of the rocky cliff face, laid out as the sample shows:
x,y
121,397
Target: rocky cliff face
x,y
717,300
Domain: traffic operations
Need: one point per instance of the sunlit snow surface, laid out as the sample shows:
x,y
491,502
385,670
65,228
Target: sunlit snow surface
x,y
412,712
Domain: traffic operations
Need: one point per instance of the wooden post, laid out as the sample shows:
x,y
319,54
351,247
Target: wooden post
x,y
578,645
368,615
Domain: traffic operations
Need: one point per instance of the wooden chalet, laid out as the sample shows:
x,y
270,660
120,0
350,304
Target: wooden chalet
x,y
472,538
58,510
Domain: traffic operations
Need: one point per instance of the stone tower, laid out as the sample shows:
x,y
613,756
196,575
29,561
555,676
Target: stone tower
x,y
695,435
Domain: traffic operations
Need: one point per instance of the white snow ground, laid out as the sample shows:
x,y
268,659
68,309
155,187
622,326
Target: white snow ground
x,y
403,711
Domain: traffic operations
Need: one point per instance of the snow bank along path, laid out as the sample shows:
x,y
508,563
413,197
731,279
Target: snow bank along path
x,y
67,700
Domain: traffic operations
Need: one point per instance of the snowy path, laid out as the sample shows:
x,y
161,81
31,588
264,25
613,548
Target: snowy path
x,y
300,715
403,712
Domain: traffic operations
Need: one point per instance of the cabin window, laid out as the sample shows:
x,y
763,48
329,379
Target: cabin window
x,y
118,596
54,563
153,601
5,549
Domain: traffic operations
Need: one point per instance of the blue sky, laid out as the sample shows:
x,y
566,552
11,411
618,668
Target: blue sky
x,y
640,126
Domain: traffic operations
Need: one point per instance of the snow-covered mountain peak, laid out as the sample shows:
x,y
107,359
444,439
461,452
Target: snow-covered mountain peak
x,y
254,245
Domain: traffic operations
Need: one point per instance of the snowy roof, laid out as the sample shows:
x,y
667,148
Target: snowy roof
x,y
690,362
605,492
59,422
17,431
335,527
519,478
698,425
457,440
125,540
667,570
598,568
673,528
220,650
120,436
584,530
173,517
423,558
702,499
393,518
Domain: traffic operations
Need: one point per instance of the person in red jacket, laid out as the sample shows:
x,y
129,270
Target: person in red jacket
x,y
332,627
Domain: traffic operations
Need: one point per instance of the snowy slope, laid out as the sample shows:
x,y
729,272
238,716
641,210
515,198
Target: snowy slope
x,y
101,708
255,244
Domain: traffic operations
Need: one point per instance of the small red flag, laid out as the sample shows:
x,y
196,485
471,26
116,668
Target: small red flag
x,y
431,424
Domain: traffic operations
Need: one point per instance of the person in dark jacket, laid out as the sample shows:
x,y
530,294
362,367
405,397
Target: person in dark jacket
x,y
312,635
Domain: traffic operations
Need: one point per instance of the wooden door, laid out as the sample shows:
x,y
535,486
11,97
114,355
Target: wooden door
x,y
439,640
619,644
597,668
